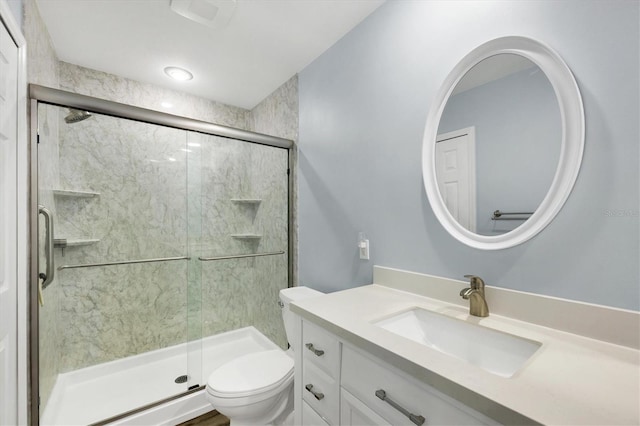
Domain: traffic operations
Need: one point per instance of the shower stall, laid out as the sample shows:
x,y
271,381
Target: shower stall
x,y
159,246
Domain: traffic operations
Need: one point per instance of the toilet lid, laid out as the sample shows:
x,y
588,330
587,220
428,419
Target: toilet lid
x,y
250,374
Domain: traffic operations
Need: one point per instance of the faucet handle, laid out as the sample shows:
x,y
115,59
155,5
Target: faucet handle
x,y
475,281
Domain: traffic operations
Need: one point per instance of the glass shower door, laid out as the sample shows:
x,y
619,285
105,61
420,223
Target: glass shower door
x,y
238,236
113,320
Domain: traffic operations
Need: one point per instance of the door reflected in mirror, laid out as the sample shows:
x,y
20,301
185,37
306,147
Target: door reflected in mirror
x,y
498,145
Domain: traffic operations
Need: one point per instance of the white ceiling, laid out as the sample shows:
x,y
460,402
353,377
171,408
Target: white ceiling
x,y
265,43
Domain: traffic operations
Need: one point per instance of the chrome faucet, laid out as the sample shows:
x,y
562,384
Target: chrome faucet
x,y
475,294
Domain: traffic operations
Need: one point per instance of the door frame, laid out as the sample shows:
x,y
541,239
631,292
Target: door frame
x,y
22,222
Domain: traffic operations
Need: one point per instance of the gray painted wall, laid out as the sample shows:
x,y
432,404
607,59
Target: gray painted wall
x,y
518,133
363,106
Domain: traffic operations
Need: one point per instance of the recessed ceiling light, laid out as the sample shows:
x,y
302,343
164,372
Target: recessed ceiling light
x,y
179,74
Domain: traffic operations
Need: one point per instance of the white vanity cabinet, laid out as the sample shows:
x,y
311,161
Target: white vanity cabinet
x,y
342,385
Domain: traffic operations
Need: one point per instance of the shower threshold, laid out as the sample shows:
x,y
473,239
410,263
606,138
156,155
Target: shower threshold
x,y
100,392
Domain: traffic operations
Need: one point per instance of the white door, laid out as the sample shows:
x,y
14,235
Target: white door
x,y
456,174
8,228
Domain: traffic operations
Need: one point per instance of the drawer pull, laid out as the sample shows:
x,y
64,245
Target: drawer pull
x,y
318,352
418,420
317,395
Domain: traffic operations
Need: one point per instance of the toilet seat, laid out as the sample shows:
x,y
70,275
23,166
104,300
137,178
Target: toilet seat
x,y
252,374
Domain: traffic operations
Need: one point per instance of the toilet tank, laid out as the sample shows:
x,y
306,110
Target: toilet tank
x,y
288,295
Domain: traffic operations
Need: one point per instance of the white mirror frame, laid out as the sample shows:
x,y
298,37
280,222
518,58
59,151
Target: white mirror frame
x,y
572,117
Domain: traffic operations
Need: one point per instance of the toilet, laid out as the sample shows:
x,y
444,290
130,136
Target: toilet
x,y
257,388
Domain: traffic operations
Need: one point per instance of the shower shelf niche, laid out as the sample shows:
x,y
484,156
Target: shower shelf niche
x,y
74,194
251,206
246,236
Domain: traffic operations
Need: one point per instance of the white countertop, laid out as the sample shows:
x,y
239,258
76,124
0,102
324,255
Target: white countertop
x,y
571,379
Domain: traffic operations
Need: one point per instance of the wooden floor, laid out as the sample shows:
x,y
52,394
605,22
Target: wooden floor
x,y
212,418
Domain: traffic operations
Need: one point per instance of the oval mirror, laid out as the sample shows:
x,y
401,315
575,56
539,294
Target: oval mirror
x,y
503,143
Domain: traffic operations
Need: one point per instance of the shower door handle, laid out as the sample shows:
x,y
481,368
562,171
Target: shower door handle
x,y
49,273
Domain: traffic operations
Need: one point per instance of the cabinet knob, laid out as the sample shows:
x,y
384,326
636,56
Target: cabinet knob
x,y
317,395
318,352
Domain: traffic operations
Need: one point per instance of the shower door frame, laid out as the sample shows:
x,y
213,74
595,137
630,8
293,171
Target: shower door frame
x,y
61,98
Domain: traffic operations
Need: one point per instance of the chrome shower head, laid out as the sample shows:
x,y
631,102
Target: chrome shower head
x,y
75,116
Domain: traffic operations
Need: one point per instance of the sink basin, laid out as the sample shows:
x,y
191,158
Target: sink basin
x,y
496,352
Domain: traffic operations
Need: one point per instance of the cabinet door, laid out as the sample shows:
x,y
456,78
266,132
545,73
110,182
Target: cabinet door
x,y
354,413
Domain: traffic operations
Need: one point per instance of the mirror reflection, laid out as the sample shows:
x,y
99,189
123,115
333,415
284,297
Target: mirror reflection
x,y
498,144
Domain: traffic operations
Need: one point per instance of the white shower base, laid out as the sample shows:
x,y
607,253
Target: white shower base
x,y
102,391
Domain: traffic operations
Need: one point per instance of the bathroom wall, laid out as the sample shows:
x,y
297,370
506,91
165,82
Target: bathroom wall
x,y
518,133
42,62
277,114
363,106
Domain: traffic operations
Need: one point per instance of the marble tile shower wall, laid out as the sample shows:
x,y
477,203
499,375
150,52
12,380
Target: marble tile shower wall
x,y
239,292
148,207
278,115
139,171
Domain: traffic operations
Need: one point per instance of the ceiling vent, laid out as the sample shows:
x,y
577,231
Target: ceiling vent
x,y
212,13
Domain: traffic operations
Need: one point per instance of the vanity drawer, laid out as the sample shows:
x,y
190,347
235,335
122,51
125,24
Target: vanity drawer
x,y
321,392
310,417
353,412
364,377
320,348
